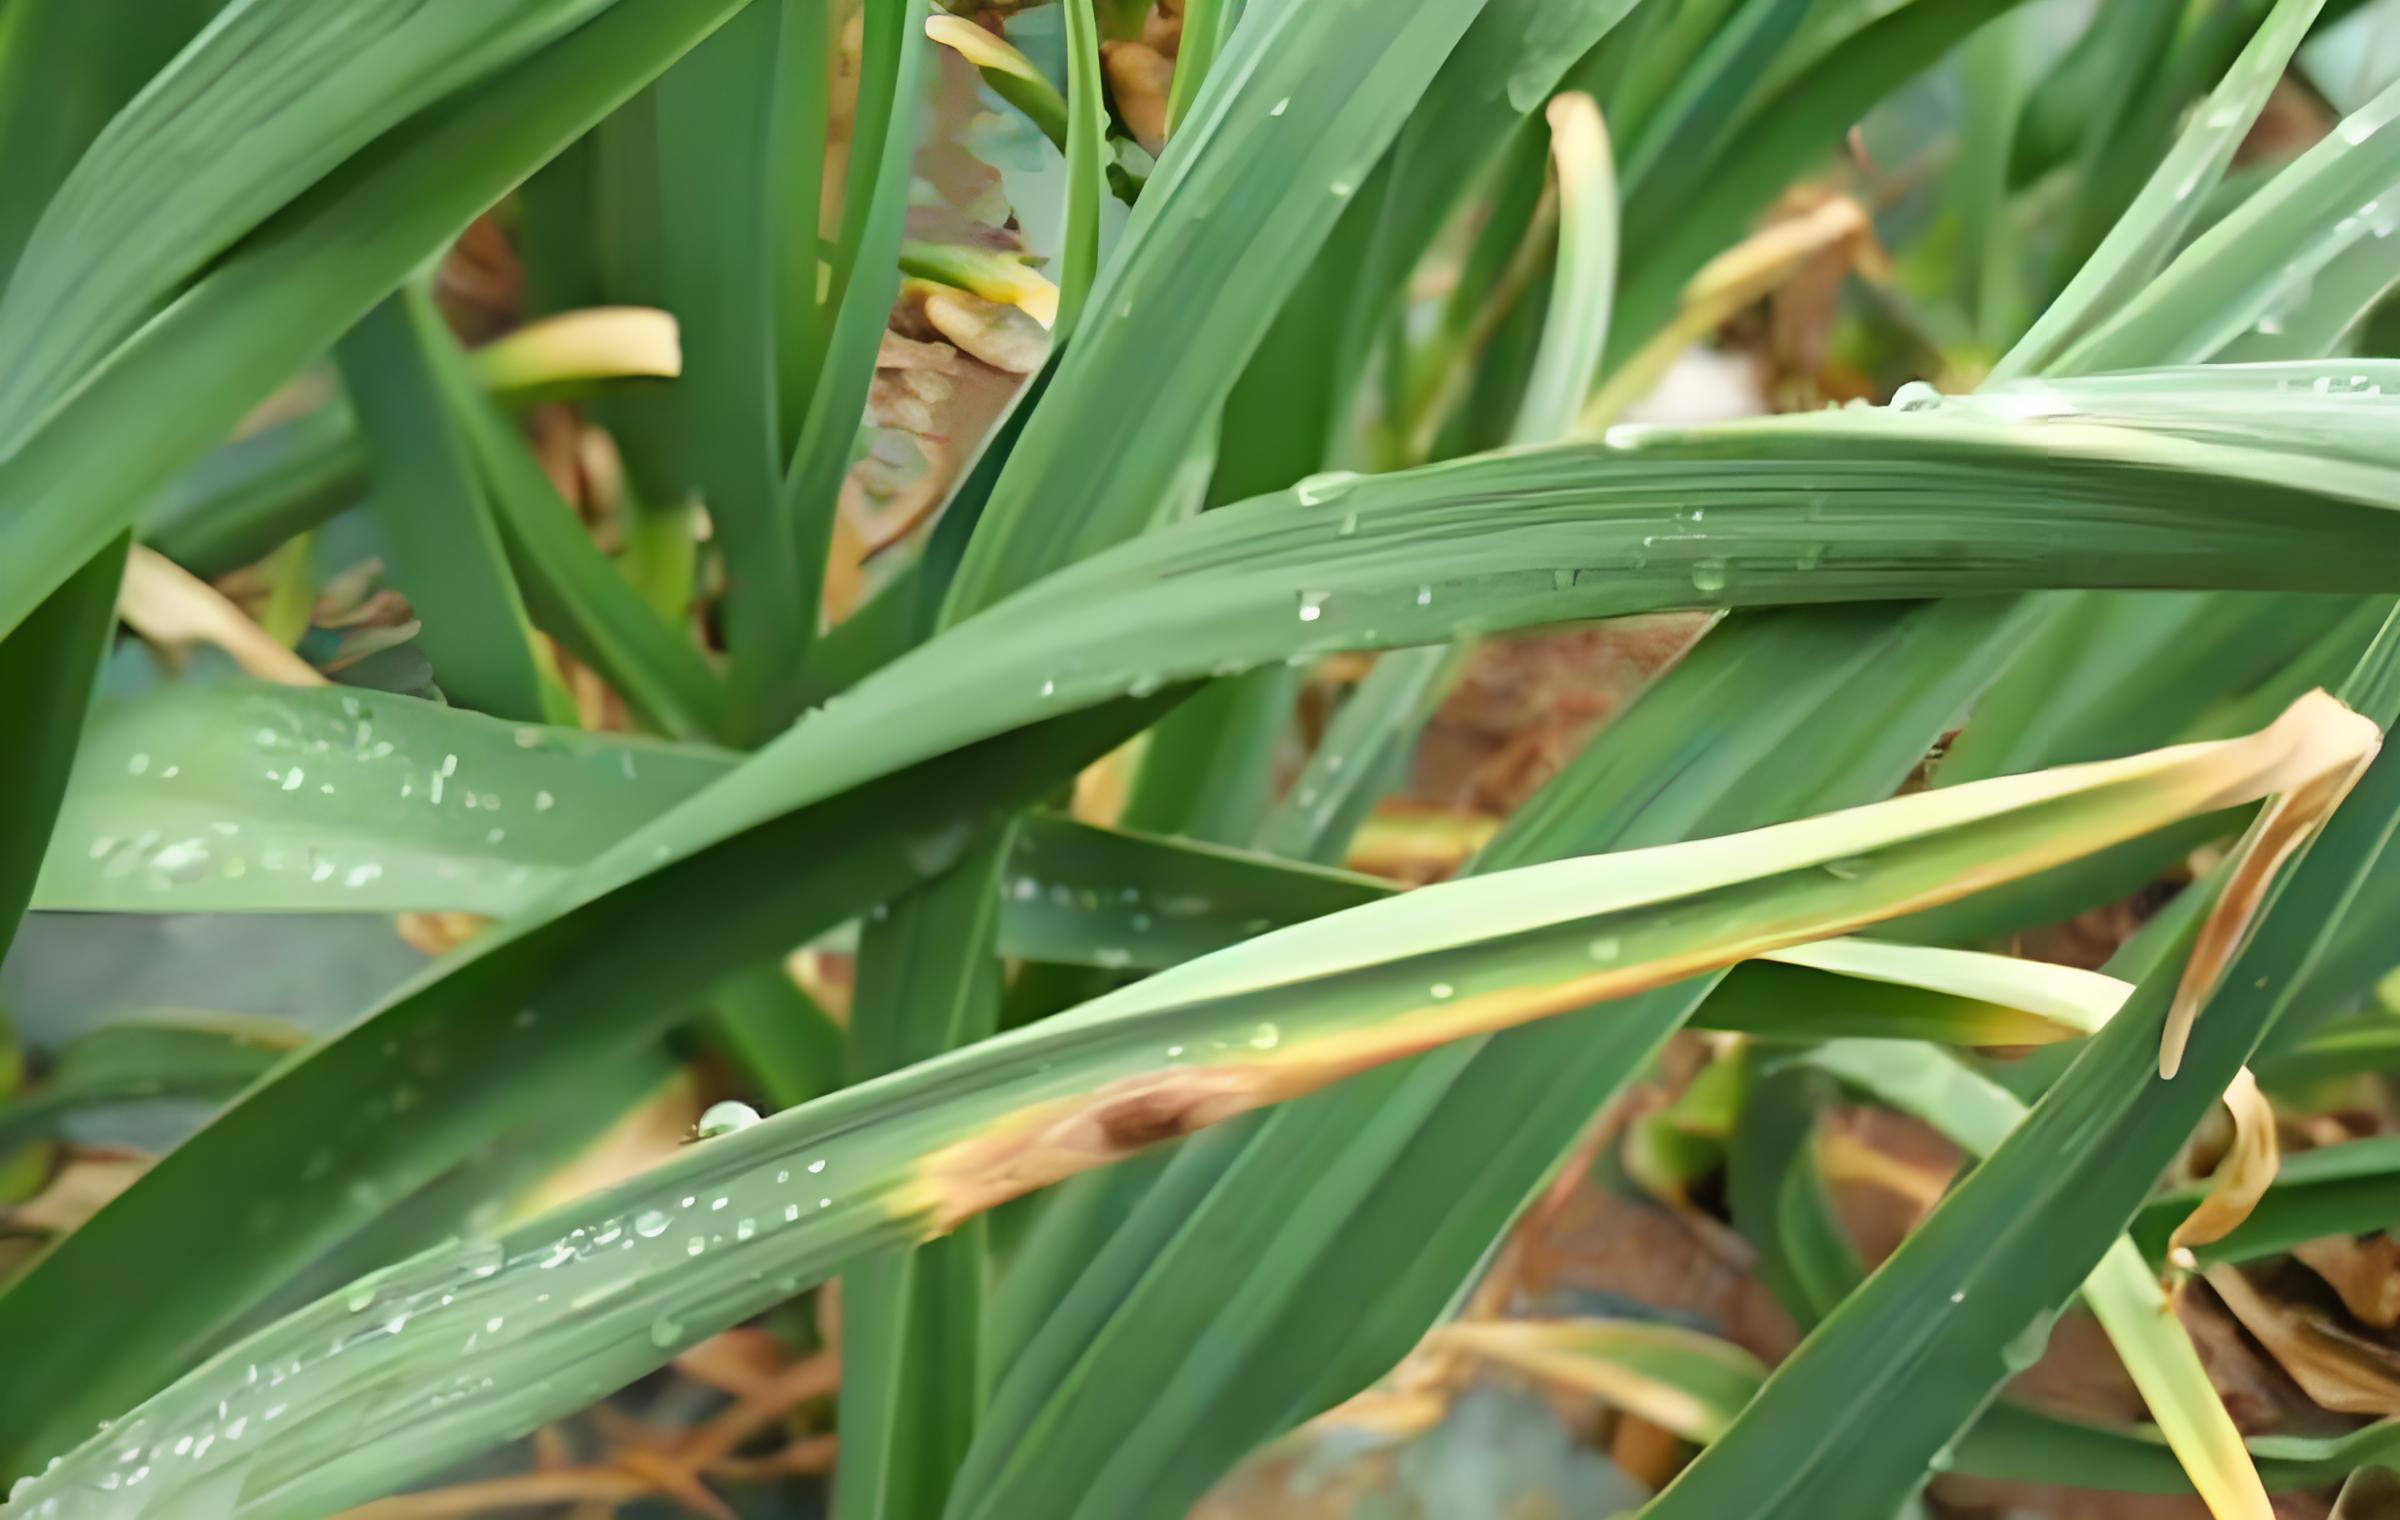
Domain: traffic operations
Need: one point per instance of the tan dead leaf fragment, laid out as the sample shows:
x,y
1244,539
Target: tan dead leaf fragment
x,y
899,352
1139,79
1756,267
2241,1178
1162,29
2340,1371
171,607
907,399
2363,1271
1003,336
80,1189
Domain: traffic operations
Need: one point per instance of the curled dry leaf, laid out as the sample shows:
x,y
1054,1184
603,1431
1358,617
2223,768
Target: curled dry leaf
x,y
2363,1271
2279,831
2339,1370
2242,1177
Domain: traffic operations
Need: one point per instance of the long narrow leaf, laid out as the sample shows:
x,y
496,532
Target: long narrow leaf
x,y
633,1274
445,544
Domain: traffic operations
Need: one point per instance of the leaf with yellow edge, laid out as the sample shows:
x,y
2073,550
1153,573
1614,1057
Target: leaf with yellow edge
x,y
2165,1366
1975,998
621,1280
1679,1380
1012,76
1004,278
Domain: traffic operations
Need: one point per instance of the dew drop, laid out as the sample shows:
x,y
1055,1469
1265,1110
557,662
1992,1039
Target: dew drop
x,y
1708,575
1312,605
651,1224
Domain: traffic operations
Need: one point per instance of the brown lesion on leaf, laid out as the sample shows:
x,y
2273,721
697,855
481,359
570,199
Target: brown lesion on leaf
x,y
1049,1142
